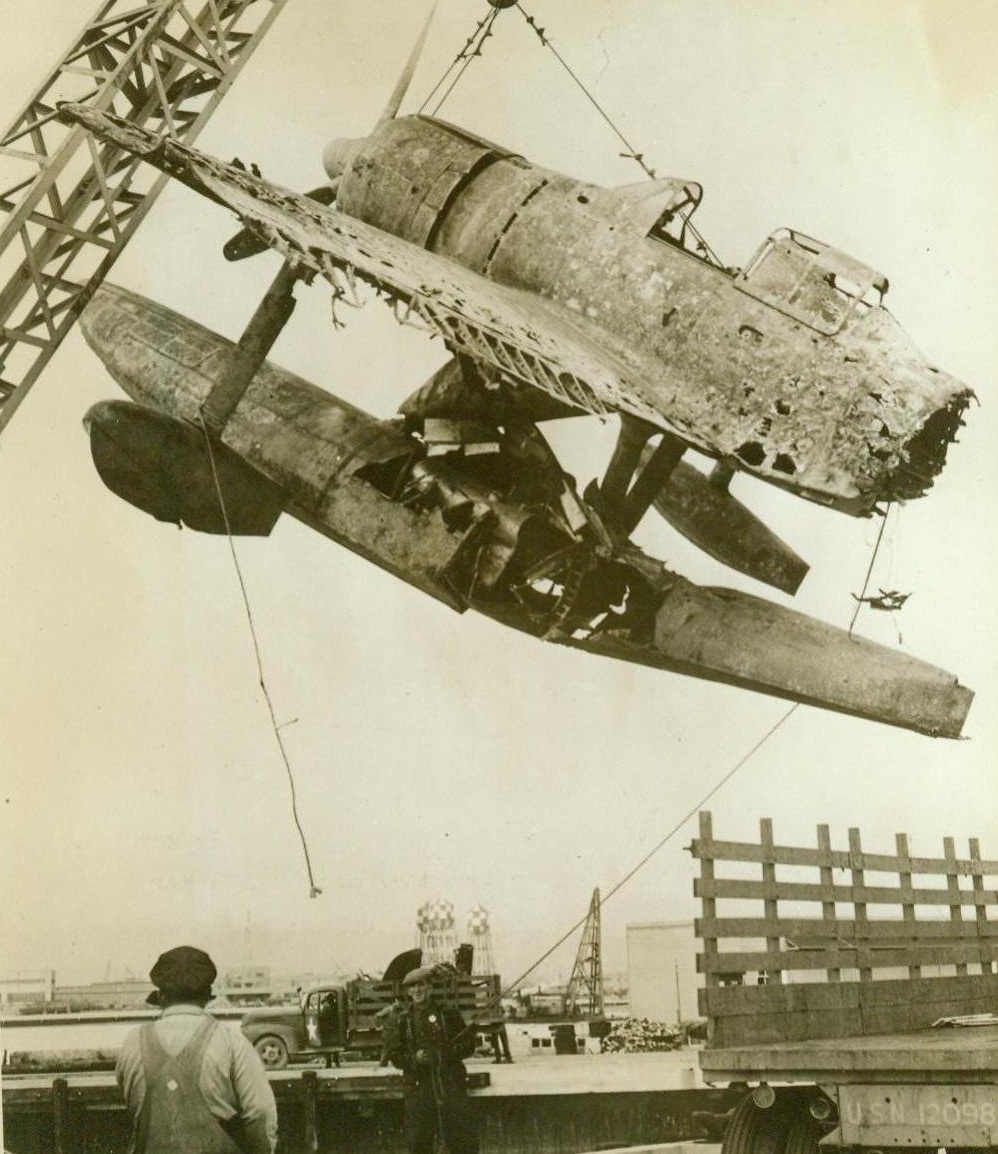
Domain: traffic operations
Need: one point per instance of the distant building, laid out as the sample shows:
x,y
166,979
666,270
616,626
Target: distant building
x,y
245,986
126,994
24,987
661,970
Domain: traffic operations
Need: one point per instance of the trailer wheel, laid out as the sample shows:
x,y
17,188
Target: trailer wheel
x,y
804,1132
756,1131
273,1051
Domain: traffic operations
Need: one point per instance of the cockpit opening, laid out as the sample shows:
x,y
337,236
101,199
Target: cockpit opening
x,y
810,281
673,226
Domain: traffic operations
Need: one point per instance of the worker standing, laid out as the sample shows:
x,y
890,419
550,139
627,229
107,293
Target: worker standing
x,y
192,1085
428,1041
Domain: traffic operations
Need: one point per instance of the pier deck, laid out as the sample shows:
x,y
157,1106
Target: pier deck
x,y
543,1104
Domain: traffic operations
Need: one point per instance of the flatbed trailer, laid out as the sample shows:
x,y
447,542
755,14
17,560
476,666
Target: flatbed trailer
x,y
856,1008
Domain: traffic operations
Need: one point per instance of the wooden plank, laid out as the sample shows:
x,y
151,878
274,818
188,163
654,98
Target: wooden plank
x,y
984,927
818,933
757,1029
863,958
60,1116
907,1006
817,1011
743,890
788,1013
803,997
905,884
971,989
770,906
927,1056
309,1089
709,906
859,906
828,913
838,859
953,890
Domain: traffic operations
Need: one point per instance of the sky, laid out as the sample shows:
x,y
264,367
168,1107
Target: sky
x,y
438,756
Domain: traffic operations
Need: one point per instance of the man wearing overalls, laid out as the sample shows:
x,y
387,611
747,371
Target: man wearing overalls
x,y
191,1084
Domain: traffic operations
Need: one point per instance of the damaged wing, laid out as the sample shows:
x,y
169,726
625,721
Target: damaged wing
x,y
500,328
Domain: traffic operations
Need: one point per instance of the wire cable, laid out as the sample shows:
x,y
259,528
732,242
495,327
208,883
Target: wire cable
x,y
869,569
314,890
722,782
631,153
472,48
650,854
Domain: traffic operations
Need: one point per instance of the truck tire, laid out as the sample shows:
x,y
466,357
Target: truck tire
x,y
273,1051
754,1131
803,1135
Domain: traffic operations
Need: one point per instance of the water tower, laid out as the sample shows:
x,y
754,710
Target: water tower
x,y
480,936
437,933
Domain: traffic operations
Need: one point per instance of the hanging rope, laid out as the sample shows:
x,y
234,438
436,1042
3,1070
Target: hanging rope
x,y
472,48
866,581
313,889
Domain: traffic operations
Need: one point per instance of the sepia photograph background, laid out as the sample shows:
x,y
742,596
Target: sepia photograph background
x,y
439,756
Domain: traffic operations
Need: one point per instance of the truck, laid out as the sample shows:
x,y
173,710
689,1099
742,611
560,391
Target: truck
x,y
849,995
333,1021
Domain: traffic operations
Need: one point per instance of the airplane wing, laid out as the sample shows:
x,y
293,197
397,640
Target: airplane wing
x,y
531,341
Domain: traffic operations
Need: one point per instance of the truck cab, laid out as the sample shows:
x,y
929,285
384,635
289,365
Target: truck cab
x,y
282,1033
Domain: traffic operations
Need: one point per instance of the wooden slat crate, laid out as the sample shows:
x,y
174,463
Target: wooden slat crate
x,y
476,997
806,943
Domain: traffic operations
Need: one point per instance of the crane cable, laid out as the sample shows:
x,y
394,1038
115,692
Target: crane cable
x,y
472,48
313,890
619,885
631,153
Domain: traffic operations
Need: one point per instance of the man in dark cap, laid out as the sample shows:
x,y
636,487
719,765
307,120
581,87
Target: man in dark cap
x,y
191,1084
427,1040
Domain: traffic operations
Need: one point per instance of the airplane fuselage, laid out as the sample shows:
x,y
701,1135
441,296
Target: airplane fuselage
x,y
790,369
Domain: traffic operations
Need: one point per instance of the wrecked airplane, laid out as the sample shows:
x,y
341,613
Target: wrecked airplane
x,y
554,298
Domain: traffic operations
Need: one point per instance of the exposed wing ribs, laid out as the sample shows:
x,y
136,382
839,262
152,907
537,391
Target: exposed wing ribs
x,y
498,326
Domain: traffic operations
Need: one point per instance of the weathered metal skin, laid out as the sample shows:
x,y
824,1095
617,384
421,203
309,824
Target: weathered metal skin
x,y
701,508
599,313
843,411
502,532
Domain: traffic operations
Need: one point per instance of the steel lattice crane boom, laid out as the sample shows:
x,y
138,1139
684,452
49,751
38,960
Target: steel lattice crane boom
x,y
68,205
585,987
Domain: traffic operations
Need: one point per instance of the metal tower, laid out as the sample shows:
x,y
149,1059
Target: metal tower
x,y
480,936
68,206
585,987
437,932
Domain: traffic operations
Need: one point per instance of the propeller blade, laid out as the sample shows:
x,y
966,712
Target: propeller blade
x,y
402,87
